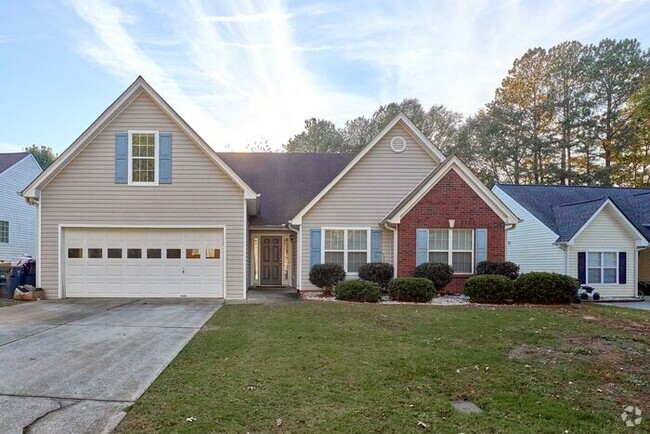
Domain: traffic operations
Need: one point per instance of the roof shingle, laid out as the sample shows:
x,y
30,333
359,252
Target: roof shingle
x,y
9,159
287,182
565,209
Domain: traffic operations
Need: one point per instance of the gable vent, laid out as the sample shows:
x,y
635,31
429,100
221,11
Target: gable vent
x,y
398,144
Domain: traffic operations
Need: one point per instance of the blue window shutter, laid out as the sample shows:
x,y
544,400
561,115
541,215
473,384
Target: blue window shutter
x,y
375,245
481,245
121,158
421,246
622,268
165,158
582,267
314,247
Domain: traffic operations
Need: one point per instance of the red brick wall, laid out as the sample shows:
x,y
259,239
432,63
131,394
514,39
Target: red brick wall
x,y
451,198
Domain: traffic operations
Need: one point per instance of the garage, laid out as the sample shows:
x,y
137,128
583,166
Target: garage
x,y
143,262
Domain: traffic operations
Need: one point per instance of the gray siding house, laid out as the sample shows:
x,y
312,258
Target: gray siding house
x,y
141,206
17,218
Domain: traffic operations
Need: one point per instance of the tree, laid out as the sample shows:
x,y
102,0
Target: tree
x,y
261,145
616,72
319,136
43,155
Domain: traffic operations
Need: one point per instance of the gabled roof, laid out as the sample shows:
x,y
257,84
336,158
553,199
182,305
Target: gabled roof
x,y
456,164
9,159
285,181
567,209
138,86
411,129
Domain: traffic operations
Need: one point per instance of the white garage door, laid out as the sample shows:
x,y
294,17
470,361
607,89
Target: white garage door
x,y
143,262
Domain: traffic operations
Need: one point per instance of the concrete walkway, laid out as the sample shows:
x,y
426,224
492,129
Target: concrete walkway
x,y
269,296
76,365
641,305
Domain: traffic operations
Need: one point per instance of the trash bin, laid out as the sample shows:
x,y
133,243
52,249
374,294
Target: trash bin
x,y
5,292
15,277
29,277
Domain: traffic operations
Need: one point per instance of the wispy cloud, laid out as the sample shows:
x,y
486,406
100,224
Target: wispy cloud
x,y
242,70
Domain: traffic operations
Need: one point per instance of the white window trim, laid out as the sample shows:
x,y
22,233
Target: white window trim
x,y
602,267
155,157
450,245
345,246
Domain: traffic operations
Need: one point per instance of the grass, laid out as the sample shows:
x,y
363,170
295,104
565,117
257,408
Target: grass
x,y
330,367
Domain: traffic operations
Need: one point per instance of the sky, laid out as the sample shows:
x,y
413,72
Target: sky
x,y
242,72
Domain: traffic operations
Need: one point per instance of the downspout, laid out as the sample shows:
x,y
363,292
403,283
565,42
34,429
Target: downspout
x,y
394,230
298,265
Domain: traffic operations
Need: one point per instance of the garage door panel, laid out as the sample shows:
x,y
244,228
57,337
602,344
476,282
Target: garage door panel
x,y
164,268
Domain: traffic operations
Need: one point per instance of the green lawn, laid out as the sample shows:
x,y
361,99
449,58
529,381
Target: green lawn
x,y
326,367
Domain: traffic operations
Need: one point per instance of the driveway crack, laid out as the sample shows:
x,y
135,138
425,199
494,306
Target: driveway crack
x,y
61,406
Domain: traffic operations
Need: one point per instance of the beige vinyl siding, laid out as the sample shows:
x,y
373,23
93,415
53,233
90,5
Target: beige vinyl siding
x,y
606,232
84,192
368,192
644,265
531,244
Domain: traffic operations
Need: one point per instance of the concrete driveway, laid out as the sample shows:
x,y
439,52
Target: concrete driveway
x,y
75,365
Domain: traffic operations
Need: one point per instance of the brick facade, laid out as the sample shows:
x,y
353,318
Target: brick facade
x,y
450,198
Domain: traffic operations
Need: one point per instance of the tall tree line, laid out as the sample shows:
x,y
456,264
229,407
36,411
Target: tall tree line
x,y
571,114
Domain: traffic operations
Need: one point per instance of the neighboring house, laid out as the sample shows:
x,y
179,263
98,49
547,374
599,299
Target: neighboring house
x,y
140,206
17,218
599,235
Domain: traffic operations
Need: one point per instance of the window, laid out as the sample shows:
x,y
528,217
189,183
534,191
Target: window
x,y
346,247
134,253
75,253
602,267
143,156
212,253
4,232
173,254
192,253
454,247
95,253
154,253
114,253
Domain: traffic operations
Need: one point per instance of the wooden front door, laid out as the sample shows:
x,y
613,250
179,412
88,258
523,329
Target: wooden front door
x,y
271,261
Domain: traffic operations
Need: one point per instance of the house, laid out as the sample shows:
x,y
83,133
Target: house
x,y
140,206
599,235
17,218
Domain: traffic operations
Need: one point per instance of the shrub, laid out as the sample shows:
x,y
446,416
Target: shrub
x,y
437,272
502,268
545,288
358,290
411,289
489,288
379,272
644,288
326,276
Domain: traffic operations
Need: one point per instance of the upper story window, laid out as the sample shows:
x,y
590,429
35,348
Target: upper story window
x,y
4,232
143,157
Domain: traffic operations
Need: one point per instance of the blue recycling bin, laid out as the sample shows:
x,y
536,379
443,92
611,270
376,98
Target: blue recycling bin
x,y
5,268
15,279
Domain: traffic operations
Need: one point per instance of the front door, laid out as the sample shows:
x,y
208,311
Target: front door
x,y
271,261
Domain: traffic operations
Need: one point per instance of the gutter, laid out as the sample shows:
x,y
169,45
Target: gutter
x,y
394,230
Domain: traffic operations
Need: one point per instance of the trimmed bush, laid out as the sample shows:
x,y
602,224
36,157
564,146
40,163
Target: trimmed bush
x,y
411,289
358,290
379,272
502,268
326,276
644,288
437,272
545,288
489,288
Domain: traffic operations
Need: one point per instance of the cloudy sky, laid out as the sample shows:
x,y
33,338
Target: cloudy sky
x,y
244,71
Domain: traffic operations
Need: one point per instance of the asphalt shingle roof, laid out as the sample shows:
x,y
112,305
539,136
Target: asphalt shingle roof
x,y
287,182
565,209
9,159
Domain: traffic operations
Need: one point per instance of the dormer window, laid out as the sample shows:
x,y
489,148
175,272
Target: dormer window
x,y
143,157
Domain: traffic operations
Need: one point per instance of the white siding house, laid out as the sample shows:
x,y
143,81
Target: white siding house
x,y
17,217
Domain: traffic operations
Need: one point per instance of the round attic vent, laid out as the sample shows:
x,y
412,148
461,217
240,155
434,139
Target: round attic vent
x,y
398,144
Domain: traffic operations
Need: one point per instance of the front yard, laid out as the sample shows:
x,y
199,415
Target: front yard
x,y
330,367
